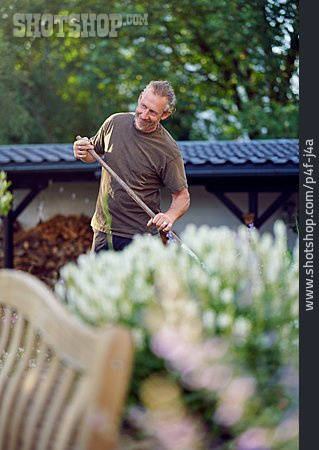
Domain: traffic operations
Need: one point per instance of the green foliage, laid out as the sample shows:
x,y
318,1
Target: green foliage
x,y
5,194
108,220
234,66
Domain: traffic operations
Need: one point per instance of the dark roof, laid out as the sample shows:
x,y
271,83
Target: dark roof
x,y
35,153
276,151
203,160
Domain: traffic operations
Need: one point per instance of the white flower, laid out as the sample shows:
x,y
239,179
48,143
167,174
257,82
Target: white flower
x,y
214,285
227,295
241,327
223,320
209,319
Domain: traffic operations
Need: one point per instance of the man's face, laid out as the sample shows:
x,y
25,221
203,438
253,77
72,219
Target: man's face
x,y
150,111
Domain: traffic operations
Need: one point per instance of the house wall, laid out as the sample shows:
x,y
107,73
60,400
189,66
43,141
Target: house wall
x,y
80,198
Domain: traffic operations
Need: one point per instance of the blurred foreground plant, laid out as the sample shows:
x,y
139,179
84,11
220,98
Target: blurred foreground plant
x,y
5,194
222,343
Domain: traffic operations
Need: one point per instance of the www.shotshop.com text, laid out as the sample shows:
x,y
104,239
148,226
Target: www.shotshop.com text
x,y
309,157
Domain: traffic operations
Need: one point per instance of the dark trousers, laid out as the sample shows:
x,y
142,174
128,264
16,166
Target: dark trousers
x,y
101,242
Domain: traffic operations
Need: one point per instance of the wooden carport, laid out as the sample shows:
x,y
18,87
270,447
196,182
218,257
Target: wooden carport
x,y
252,167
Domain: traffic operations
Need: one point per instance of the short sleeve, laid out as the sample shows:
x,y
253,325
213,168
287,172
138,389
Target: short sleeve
x,y
98,139
174,176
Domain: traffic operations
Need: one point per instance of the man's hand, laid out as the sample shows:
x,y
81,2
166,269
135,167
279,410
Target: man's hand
x,y
162,221
180,204
80,149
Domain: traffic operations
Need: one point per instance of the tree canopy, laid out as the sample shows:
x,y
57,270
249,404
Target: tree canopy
x,y
234,67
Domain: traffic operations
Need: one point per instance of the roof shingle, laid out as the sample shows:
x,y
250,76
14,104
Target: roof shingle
x,y
276,151
204,161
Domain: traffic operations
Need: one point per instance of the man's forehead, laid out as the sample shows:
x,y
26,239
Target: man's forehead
x,y
153,99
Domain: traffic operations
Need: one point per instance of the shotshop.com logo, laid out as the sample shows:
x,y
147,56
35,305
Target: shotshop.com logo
x,y
73,25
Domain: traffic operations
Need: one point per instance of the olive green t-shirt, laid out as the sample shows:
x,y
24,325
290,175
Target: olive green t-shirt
x,y
146,162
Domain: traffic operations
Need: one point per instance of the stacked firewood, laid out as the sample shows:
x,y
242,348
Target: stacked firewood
x,y
45,248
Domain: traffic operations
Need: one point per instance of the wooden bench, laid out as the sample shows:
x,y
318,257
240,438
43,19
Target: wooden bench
x,y
62,383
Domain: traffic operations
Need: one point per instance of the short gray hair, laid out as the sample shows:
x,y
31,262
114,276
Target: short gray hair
x,y
163,89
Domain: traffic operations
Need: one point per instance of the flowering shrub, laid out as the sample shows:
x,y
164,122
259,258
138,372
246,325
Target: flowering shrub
x,y
217,342
5,194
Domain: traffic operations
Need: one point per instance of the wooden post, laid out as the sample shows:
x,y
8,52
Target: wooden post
x,y
8,222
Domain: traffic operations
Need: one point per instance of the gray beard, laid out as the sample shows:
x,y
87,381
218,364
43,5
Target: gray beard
x,y
142,129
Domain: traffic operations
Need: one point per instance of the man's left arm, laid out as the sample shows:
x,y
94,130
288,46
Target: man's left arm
x,y
179,205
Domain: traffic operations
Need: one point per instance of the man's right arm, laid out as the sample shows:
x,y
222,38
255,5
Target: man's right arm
x,y
80,150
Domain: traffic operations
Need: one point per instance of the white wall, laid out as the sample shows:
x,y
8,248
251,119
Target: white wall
x,y
207,209
58,198
80,198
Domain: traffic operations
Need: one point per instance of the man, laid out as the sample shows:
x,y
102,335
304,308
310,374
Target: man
x,y
146,157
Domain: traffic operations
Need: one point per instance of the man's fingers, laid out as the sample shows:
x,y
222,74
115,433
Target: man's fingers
x,y
165,226
161,222
81,148
168,228
83,143
162,225
80,138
